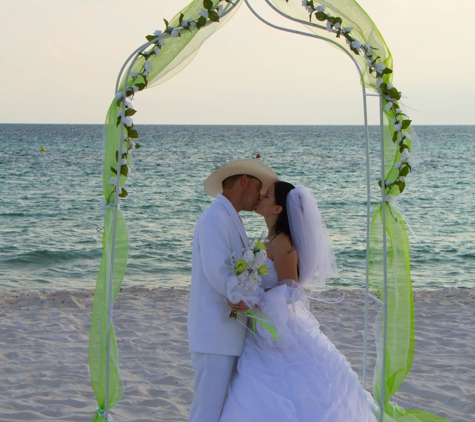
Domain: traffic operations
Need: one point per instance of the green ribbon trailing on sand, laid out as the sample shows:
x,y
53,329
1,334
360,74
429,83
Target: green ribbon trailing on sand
x,y
167,55
98,333
400,324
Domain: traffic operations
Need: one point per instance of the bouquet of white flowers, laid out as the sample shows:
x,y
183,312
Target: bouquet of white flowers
x,y
245,283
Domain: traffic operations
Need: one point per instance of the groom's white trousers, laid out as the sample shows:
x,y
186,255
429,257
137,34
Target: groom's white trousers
x,y
213,374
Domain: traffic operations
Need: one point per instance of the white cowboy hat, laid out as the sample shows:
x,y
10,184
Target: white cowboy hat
x,y
213,184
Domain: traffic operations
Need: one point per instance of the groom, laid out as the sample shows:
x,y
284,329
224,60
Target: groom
x,y
215,339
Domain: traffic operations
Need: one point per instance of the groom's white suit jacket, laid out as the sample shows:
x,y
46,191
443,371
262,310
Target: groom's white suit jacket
x,y
219,232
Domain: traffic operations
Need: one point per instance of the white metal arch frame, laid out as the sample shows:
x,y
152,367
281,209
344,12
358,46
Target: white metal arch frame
x,y
131,61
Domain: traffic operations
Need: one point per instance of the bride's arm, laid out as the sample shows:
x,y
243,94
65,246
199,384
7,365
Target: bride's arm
x,y
285,258
281,251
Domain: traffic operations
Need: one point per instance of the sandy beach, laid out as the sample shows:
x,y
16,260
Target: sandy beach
x,y
44,342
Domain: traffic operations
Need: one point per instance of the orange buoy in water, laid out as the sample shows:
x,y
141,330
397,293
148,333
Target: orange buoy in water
x,y
42,149
258,155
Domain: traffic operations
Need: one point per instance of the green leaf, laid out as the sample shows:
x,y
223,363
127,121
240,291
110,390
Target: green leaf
x,y
404,171
354,50
132,133
113,170
395,136
181,18
118,120
387,71
137,145
213,16
321,16
402,186
140,86
130,112
201,22
406,123
394,93
117,156
166,24
348,37
207,4
123,193
338,33
124,170
338,19
150,37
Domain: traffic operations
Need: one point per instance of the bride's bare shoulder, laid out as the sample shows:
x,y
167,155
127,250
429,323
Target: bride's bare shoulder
x,y
280,245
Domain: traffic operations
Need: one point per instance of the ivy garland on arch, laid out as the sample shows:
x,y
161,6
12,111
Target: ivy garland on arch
x,y
168,51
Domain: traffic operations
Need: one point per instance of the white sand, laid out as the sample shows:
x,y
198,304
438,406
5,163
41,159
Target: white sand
x,y
44,341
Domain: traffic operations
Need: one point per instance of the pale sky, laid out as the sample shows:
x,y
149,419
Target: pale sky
x,y
59,60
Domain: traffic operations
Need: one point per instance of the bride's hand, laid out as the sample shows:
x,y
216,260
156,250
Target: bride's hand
x,y
237,307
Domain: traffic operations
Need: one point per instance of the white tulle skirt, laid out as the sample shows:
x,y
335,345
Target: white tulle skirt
x,y
299,377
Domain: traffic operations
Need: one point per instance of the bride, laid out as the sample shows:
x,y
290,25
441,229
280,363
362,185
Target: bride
x,y
299,376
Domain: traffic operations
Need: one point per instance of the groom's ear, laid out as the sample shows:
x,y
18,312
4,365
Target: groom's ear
x,y
243,180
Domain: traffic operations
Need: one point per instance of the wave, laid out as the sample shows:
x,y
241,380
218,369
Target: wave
x,y
42,257
12,214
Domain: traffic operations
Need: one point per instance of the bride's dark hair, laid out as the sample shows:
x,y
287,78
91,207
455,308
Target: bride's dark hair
x,y
281,190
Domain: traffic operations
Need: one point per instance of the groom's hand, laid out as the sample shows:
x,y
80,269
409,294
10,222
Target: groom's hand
x,y
238,307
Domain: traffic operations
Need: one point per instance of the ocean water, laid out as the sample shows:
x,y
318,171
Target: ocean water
x,y
51,220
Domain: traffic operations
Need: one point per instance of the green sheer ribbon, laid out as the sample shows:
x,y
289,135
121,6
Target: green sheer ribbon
x,y
178,52
98,333
400,310
400,307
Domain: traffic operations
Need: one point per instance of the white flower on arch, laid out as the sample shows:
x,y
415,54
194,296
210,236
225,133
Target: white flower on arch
x,y
379,67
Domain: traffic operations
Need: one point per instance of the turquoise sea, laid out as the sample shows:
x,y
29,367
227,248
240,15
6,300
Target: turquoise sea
x,y
51,220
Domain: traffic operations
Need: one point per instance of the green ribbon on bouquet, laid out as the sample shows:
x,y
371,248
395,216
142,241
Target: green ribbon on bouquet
x,y
264,320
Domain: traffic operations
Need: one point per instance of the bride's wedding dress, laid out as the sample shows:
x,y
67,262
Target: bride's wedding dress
x,y
299,377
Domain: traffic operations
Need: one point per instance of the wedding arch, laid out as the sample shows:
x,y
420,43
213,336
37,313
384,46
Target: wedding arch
x,y
165,54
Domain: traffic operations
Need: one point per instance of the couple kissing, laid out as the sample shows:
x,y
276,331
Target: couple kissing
x,y
248,375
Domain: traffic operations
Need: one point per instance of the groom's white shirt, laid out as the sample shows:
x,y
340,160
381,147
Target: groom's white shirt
x,y
219,232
